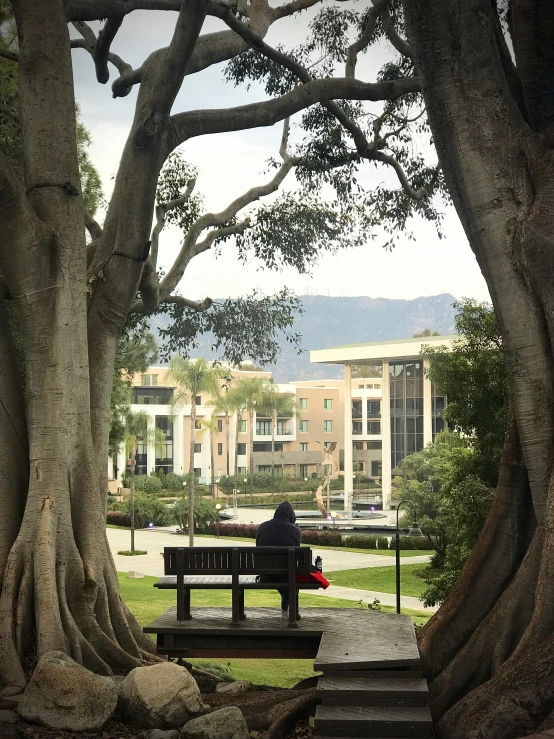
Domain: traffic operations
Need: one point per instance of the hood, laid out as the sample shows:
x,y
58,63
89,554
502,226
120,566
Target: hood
x,y
285,512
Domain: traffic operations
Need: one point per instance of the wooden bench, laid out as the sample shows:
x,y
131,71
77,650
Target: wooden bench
x,y
237,568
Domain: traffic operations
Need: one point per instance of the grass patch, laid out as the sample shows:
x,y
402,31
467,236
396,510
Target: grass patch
x,y
128,553
111,526
381,579
147,603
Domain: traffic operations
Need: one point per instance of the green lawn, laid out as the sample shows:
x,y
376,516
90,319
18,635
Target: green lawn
x,y
147,603
381,579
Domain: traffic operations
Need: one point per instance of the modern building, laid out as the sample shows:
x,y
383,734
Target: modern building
x,y
404,417
299,441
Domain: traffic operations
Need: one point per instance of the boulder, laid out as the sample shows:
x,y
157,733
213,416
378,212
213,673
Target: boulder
x,y
161,696
239,686
160,734
227,723
63,695
8,717
10,690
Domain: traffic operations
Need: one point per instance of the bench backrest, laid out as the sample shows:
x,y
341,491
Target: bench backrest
x,y
251,560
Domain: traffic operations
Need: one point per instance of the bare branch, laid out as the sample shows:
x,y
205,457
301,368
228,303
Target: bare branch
x,y
200,122
10,112
102,49
290,8
220,233
393,36
149,286
365,39
380,156
179,300
92,225
11,55
96,10
161,211
170,75
89,42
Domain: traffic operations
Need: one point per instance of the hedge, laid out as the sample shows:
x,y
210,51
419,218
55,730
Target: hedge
x,y
118,518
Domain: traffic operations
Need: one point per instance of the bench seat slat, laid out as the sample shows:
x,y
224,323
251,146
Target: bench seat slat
x,y
223,582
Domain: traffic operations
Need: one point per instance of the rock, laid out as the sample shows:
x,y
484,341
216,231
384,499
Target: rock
x,y
135,575
239,686
10,701
63,695
10,690
227,723
159,734
161,696
8,717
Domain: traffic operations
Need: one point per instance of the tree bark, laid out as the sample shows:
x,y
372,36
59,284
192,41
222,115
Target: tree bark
x,y
489,650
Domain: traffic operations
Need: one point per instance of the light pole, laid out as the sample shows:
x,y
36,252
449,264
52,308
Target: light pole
x,y
218,508
415,531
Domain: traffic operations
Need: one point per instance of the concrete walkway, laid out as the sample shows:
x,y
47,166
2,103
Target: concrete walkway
x,y
154,540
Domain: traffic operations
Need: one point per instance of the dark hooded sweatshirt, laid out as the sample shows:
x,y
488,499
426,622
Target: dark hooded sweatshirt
x,y
280,531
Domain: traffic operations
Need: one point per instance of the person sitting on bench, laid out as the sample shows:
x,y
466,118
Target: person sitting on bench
x,y
280,531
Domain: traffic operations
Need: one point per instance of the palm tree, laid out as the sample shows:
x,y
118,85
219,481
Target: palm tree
x,y
193,377
250,393
210,424
137,432
277,405
225,403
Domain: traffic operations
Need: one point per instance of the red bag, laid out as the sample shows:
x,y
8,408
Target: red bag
x,y
314,577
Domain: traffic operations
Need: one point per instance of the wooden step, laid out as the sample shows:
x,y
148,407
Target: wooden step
x,y
356,691
376,721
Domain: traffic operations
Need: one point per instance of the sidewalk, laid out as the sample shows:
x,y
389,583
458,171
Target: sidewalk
x,y
368,596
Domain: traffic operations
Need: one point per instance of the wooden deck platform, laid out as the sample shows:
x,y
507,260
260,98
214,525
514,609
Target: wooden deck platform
x,y
342,638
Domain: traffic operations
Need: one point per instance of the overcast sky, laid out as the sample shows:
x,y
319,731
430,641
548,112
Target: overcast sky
x,y
231,163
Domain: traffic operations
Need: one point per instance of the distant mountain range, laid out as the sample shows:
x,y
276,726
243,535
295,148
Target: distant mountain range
x,y
331,321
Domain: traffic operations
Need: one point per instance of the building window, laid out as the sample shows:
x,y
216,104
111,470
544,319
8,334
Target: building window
x,y
374,445
373,427
357,428
241,470
327,426
283,429
303,470
328,404
356,409
303,446
328,469
219,425
265,446
197,448
376,468
264,469
197,424
241,450
164,456
406,409
219,450
242,427
304,426
198,471
303,403
151,395
327,444
141,460
263,428
198,400
374,409
149,380
438,404
358,445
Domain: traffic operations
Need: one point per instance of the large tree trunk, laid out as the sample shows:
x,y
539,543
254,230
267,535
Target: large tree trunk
x,y
489,650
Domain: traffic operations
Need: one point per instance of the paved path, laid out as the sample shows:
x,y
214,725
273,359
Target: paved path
x,y
153,541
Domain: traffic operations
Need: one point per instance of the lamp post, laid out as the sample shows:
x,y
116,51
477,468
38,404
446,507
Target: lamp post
x,y
415,531
218,508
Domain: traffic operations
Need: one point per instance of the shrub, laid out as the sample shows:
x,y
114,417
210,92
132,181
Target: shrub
x,y
148,510
174,482
382,542
147,484
205,513
359,541
409,542
118,518
128,553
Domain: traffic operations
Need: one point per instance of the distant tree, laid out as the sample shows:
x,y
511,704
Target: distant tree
x,y
362,371
425,333
277,405
250,394
193,377
210,424
224,403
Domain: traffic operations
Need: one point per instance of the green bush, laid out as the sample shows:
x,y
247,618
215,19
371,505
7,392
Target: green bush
x,y
359,541
149,510
204,513
148,484
263,483
175,483
382,542
412,542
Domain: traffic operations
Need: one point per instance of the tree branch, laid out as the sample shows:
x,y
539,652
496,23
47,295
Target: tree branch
x,y
96,10
290,8
380,156
92,226
179,300
101,51
365,39
161,211
149,286
11,55
392,34
89,43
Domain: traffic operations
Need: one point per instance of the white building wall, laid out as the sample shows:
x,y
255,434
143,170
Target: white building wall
x,y
385,435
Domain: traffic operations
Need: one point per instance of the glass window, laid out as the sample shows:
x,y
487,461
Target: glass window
x,y
438,404
328,404
374,427
164,455
303,470
303,446
374,409
304,426
242,427
198,471
264,469
263,428
241,449
149,380
357,428
374,445
219,450
376,468
198,400
327,444
151,395
219,425
358,445
327,426
303,402
197,424
356,409
241,470
197,448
